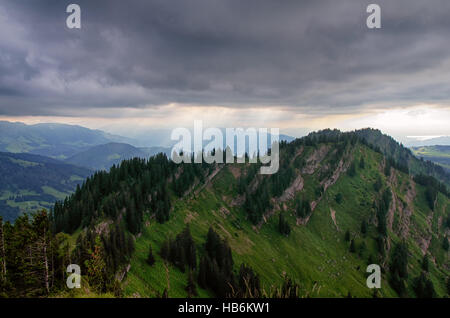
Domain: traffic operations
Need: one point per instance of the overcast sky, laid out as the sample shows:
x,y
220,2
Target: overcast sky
x,y
298,65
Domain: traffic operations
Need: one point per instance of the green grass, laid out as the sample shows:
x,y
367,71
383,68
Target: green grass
x,y
432,151
53,192
315,255
24,163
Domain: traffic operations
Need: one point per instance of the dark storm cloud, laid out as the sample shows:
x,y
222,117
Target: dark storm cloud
x,y
315,56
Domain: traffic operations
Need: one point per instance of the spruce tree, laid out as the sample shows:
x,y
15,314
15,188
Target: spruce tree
x,y
425,263
445,244
150,257
352,246
347,236
191,288
364,227
362,163
352,169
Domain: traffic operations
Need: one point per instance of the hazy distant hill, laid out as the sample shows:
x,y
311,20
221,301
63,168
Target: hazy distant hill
x,y
28,182
437,154
102,157
58,141
151,151
443,140
153,137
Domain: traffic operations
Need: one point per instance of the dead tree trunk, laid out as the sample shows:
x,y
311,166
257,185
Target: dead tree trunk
x,y
46,280
3,255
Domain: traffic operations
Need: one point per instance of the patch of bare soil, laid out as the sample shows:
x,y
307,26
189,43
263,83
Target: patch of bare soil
x,y
405,219
315,203
121,275
190,216
167,276
298,153
424,243
392,182
224,211
296,186
189,191
392,209
288,194
312,163
224,231
343,165
235,171
103,227
209,178
382,165
333,217
303,221
341,168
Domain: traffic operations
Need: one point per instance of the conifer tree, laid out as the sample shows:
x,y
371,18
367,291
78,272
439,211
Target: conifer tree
x,y
347,236
364,227
445,244
352,169
362,163
352,246
191,288
150,257
96,267
283,225
425,263
2,253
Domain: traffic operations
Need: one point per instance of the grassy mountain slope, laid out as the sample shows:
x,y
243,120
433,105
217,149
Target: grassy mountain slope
x,y
315,253
29,182
437,154
152,228
392,149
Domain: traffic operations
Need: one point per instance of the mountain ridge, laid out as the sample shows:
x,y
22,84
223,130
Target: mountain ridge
x,y
152,228
329,183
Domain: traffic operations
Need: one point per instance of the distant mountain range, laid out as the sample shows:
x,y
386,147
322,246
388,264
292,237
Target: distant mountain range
x,y
76,144
29,182
103,157
57,141
412,142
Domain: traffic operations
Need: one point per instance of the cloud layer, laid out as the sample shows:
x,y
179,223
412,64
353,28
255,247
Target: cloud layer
x,y
315,57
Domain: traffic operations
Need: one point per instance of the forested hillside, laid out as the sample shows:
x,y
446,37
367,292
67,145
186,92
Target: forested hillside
x,y
398,153
151,228
31,182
